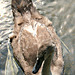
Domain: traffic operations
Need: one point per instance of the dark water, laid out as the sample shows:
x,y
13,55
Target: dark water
x,y
60,12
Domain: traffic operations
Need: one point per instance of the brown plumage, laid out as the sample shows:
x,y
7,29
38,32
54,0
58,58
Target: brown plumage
x,y
35,44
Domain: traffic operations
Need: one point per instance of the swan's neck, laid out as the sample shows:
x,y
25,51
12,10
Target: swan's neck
x,y
46,66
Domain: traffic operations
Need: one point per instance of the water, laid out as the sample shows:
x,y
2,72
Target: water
x,y
60,12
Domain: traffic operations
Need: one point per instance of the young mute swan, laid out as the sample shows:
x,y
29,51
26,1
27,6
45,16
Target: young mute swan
x,y
36,47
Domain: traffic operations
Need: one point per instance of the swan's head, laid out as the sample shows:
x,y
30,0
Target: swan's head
x,y
43,54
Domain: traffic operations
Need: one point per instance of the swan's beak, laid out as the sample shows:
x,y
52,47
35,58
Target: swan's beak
x,y
37,65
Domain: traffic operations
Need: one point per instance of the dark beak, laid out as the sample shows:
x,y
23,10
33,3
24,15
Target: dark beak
x,y
37,65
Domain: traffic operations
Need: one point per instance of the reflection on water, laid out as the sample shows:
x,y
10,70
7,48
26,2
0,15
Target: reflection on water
x,y
60,12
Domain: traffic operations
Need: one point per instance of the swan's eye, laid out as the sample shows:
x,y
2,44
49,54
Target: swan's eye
x,y
20,23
